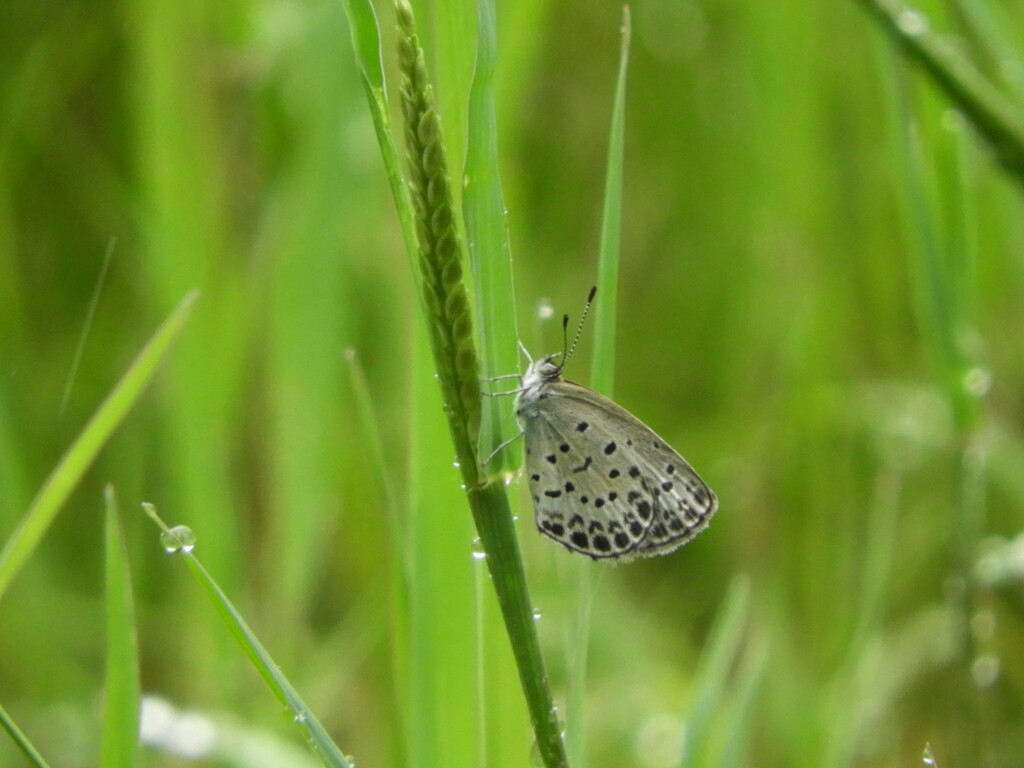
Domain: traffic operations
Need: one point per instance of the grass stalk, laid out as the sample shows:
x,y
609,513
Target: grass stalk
x,y
439,259
21,741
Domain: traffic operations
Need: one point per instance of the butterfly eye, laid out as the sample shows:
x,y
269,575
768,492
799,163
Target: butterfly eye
x,y
549,370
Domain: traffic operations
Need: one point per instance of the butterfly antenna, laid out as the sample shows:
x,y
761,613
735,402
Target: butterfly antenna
x,y
579,329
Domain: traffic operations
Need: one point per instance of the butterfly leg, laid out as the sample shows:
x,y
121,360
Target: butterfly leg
x,y
502,394
505,444
503,378
522,348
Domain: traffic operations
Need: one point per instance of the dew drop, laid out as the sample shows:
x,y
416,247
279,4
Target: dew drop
x,y
985,670
545,310
927,757
478,550
977,381
912,23
180,538
536,614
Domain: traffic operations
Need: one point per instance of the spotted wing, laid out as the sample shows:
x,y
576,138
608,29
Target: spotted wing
x,y
604,484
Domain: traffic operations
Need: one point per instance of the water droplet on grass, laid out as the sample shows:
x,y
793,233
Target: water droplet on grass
x,y
180,538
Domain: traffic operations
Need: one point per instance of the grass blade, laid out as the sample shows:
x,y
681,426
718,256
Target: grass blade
x,y
180,540
992,114
119,747
489,249
80,455
720,655
602,377
602,370
21,740
366,44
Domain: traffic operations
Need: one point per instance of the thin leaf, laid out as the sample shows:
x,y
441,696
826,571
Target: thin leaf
x,y
991,113
602,377
180,541
119,747
366,43
719,657
21,740
489,250
602,371
68,472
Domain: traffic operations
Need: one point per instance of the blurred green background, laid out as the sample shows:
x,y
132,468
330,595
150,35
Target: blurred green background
x,y
820,306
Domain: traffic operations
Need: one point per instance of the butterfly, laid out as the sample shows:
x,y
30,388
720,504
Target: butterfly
x,y
603,483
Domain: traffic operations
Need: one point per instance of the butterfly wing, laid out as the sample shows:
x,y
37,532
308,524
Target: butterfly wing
x,y
603,483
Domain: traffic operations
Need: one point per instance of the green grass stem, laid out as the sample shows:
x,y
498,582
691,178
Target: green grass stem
x,y
21,741
439,258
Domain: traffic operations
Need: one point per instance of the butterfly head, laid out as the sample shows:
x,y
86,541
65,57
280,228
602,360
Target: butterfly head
x,y
542,371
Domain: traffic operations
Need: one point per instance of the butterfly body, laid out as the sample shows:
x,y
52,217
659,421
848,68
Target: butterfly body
x,y
603,483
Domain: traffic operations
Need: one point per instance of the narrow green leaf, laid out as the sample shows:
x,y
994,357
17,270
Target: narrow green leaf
x,y
180,541
602,372
740,713
80,455
362,22
993,26
719,657
991,113
400,566
366,41
21,740
119,747
602,377
489,251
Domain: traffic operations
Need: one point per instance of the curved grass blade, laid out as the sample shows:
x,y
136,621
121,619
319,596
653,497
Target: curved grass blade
x,y
366,44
